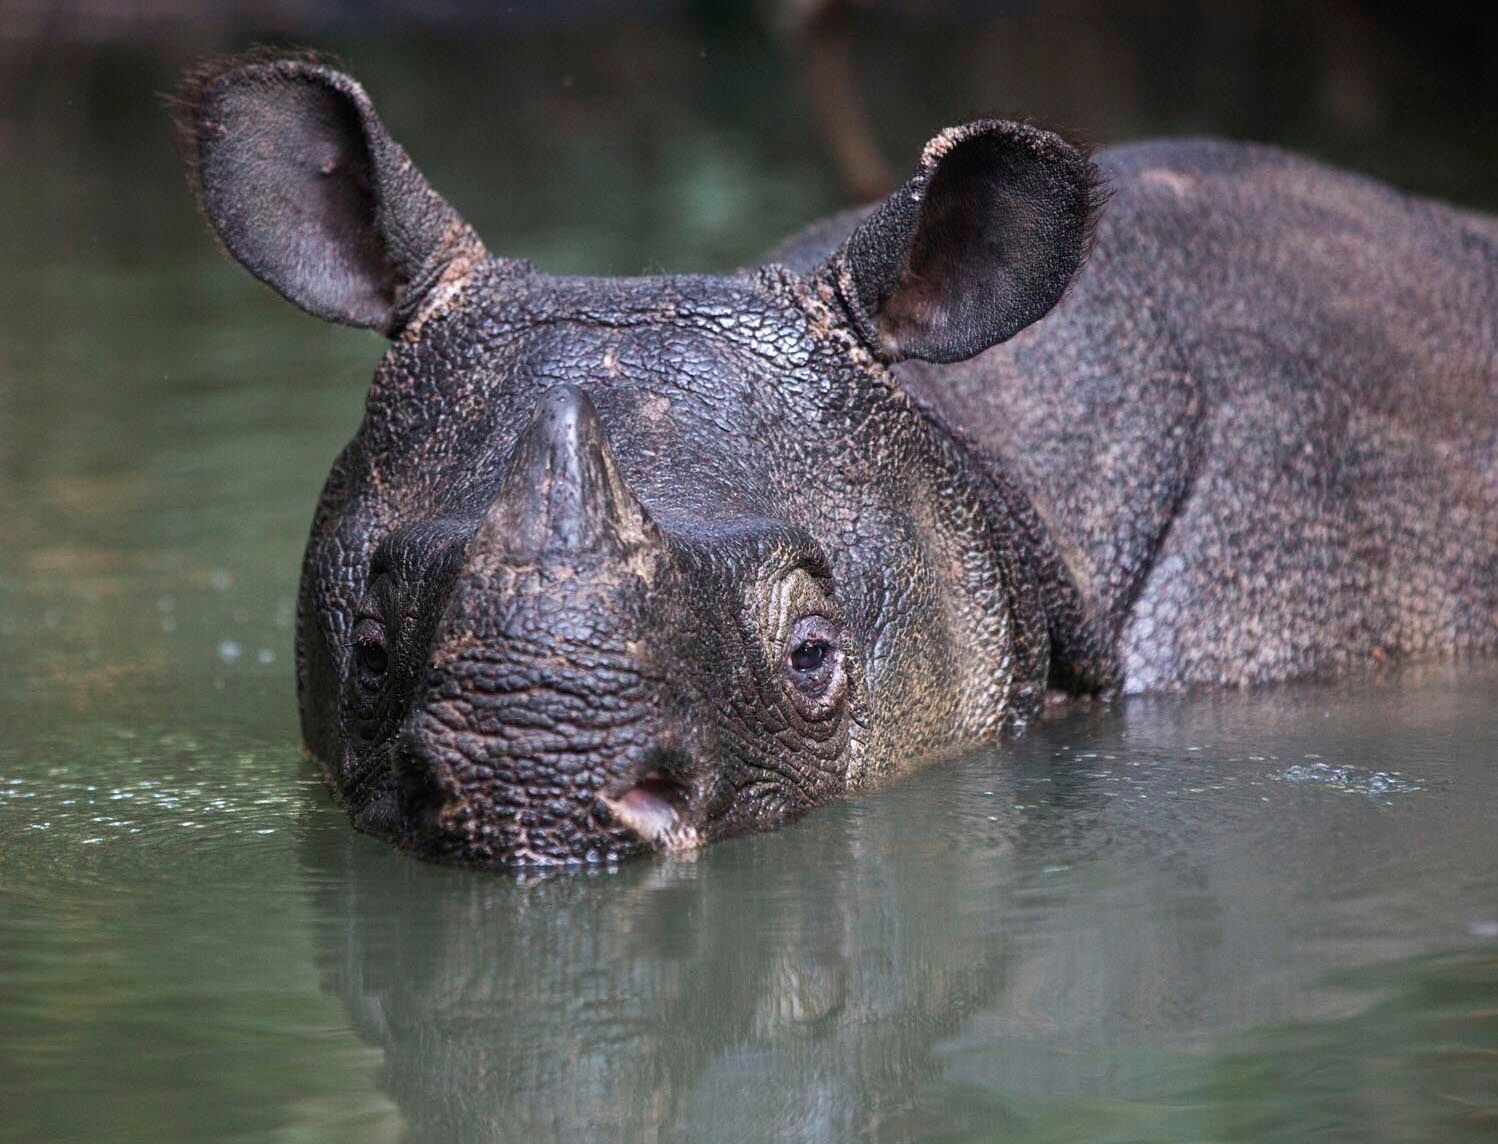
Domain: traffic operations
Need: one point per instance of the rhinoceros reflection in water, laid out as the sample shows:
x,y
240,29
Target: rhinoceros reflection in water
x,y
933,959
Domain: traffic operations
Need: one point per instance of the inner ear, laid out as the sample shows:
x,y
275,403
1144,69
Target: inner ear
x,y
981,242
291,192
304,187
984,220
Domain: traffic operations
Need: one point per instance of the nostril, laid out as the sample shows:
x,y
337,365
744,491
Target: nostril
x,y
420,796
655,808
658,788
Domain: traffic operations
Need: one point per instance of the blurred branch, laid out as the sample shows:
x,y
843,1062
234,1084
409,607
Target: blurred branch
x,y
819,33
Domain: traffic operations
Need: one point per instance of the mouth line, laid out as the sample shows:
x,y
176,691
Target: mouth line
x,y
655,809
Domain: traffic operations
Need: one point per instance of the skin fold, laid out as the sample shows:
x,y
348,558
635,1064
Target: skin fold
x,y
622,565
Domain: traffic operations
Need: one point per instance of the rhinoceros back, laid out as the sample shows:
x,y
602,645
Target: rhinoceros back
x,y
1262,428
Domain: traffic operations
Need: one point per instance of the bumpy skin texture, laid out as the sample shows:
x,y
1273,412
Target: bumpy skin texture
x,y
740,420
614,565
1263,428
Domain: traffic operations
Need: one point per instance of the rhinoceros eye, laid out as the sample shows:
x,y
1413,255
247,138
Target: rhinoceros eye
x,y
813,661
809,655
371,657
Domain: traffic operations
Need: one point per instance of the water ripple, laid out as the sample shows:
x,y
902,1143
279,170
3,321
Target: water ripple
x,y
1352,780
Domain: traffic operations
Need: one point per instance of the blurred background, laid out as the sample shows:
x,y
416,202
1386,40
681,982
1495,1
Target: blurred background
x,y
608,135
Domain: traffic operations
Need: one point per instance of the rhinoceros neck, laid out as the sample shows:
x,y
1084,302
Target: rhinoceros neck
x,y
1080,627
970,405
1258,429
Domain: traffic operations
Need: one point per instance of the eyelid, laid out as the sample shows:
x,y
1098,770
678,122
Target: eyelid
x,y
810,559
815,565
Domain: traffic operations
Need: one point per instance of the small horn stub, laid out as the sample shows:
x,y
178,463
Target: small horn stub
x,y
562,494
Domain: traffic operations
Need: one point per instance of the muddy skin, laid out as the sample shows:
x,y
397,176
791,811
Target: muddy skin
x,y
615,566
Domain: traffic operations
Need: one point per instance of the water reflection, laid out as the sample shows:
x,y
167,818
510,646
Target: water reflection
x,y
790,987
1122,919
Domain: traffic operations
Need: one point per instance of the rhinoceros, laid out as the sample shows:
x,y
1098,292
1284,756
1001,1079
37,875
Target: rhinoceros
x,y
622,565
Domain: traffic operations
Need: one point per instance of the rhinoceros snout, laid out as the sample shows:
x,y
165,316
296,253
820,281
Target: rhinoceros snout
x,y
534,812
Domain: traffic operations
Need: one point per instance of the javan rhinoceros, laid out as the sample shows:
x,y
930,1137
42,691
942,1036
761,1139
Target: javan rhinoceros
x,y
616,565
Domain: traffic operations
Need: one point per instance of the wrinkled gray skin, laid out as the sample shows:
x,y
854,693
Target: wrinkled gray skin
x,y
615,565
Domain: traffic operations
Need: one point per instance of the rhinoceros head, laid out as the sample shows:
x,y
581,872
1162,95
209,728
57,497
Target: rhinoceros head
x,y
614,565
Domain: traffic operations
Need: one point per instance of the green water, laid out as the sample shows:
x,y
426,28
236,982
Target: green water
x,y
1256,917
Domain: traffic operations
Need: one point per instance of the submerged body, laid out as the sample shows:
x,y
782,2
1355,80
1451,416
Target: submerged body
x,y
627,564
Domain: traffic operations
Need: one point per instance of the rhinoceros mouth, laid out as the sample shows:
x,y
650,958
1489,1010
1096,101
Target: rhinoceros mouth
x,y
657,810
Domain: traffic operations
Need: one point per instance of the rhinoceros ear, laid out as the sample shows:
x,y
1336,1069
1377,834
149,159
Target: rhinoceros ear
x,y
304,187
981,242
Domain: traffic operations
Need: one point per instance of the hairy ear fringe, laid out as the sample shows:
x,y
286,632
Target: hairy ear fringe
x,y
986,237
185,104
297,177
1099,192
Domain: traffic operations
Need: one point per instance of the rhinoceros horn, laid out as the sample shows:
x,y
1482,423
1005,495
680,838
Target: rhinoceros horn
x,y
562,494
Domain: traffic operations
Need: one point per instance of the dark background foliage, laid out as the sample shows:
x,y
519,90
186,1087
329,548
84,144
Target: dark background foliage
x,y
616,135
